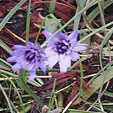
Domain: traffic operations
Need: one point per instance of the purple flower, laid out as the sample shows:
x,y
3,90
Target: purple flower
x,y
29,58
63,49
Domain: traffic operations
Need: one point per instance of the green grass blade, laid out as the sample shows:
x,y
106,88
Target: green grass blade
x,y
7,99
14,107
77,20
106,38
19,96
89,83
27,89
52,7
97,83
96,12
93,15
4,64
60,99
51,101
11,13
66,108
81,79
57,21
79,111
27,108
99,29
109,94
38,34
28,21
8,73
5,47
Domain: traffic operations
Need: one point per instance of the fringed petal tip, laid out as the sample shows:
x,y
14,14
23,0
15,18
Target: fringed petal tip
x,y
32,76
31,79
73,35
30,44
65,63
11,59
16,67
46,33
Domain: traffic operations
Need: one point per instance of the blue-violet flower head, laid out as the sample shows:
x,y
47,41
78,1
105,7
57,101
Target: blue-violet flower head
x,y
29,58
63,49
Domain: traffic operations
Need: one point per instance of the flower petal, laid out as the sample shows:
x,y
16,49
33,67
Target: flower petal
x,y
18,52
19,47
57,38
30,44
37,47
61,36
73,38
73,35
16,67
28,58
82,44
50,52
43,67
32,76
52,61
79,47
27,66
20,59
12,59
47,34
74,56
53,42
64,62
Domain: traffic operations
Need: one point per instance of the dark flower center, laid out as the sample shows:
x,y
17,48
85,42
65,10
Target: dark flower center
x,y
61,47
30,55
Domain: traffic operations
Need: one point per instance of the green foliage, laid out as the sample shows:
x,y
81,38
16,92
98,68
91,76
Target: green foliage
x,y
5,47
107,52
7,99
26,88
4,64
52,99
11,13
52,7
28,21
51,24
